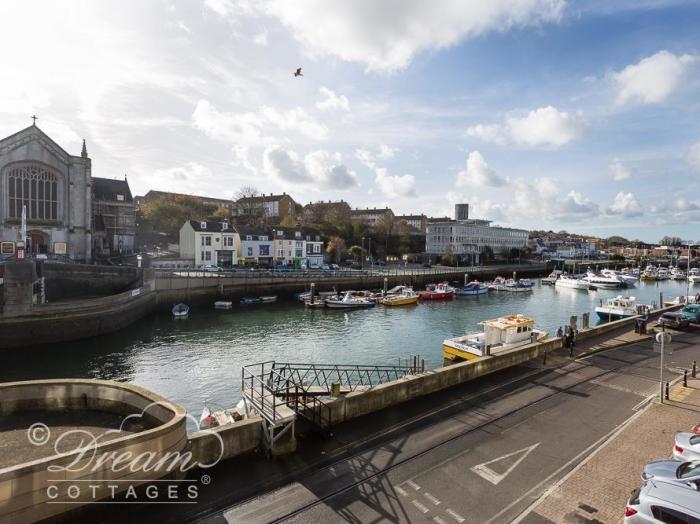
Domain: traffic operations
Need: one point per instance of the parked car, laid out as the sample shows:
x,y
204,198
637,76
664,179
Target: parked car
x,y
326,267
673,320
335,267
662,502
675,471
210,268
687,447
691,312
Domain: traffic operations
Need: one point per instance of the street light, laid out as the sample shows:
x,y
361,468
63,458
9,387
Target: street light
x,y
687,269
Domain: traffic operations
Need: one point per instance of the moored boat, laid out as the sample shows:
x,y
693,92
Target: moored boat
x,y
223,304
499,335
349,301
518,286
620,307
694,275
498,284
247,301
602,282
571,282
405,298
268,298
552,278
441,291
180,310
472,288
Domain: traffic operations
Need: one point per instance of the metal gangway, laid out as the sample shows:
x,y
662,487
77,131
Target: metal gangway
x,y
279,391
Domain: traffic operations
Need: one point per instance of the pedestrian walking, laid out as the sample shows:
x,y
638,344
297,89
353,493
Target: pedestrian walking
x,y
560,332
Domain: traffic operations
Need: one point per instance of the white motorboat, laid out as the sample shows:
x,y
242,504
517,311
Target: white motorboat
x,y
499,335
223,304
180,311
627,280
268,298
551,279
620,307
602,282
694,275
662,274
571,282
518,286
349,301
677,274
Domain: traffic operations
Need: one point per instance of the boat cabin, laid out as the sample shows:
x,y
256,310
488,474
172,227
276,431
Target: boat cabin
x,y
507,330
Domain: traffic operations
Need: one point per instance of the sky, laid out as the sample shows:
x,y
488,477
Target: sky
x,y
542,114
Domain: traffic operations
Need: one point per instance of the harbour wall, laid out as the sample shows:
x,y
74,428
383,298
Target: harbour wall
x,y
60,322
69,281
173,287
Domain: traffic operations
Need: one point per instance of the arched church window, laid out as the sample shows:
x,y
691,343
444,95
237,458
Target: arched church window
x,y
35,187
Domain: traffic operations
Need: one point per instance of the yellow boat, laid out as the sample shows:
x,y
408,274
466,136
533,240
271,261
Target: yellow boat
x,y
499,335
406,297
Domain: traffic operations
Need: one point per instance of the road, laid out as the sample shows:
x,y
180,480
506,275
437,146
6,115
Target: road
x,y
483,457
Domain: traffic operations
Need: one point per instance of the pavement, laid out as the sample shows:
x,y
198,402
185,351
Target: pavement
x,y
484,451
598,489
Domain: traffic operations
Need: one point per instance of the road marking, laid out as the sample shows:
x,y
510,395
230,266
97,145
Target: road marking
x,y
400,491
455,515
431,498
438,520
420,506
600,443
494,478
413,485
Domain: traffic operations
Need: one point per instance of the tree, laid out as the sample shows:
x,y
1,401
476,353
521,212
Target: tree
x,y
167,215
288,221
248,212
336,248
355,252
671,241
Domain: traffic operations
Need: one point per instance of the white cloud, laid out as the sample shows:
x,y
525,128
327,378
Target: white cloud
x,y
386,151
261,38
618,170
652,79
693,156
492,133
477,173
254,128
318,170
545,126
366,157
332,101
540,200
395,186
386,35
625,204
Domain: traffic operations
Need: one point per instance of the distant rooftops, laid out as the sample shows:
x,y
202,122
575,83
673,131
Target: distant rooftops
x,y
212,227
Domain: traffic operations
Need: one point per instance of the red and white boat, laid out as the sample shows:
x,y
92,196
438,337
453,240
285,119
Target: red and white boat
x,y
441,291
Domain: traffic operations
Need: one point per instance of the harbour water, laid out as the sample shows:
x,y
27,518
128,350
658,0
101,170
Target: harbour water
x,y
199,360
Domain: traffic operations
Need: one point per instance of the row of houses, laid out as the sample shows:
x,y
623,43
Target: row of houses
x,y
222,244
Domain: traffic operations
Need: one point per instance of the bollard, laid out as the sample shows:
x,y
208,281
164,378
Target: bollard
x,y
695,370
422,365
386,286
313,292
685,378
666,394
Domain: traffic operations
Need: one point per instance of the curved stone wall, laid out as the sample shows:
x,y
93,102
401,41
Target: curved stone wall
x,y
26,492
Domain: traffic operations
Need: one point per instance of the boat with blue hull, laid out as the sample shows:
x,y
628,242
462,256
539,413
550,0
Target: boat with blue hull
x,y
472,288
620,307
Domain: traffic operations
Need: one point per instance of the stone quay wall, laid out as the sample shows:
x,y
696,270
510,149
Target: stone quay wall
x,y
70,281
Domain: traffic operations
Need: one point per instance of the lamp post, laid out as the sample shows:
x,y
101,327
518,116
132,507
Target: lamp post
x,y
687,269
362,258
369,250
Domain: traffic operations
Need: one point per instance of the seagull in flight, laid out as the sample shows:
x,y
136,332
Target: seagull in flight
x,y
298,72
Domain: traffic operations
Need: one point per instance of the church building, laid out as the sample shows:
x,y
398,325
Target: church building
x,y
54,187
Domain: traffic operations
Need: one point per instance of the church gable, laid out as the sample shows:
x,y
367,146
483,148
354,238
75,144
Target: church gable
x,y
33,134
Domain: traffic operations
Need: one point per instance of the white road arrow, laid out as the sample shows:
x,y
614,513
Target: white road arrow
x,y
494,478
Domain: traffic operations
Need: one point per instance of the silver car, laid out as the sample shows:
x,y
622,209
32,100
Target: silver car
x,y
663,502
672,471
687,447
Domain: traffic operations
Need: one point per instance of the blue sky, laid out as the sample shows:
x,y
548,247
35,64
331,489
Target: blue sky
x,y
550,114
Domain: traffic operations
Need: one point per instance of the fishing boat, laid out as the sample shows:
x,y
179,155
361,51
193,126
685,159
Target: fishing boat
x,y
499,335
620,307
602,282
268,298
223,304
518,286
247,301
571,282
405,298
472,288
349,301
180,310
441,291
